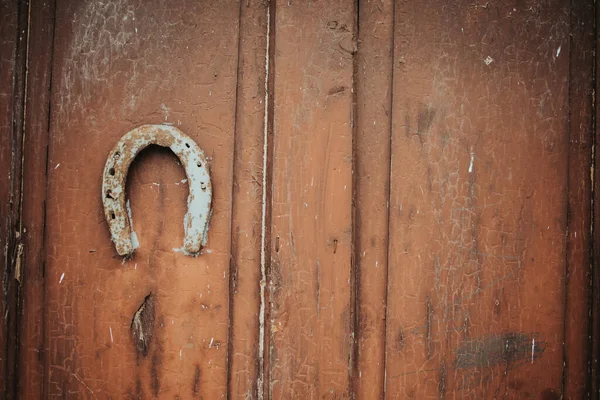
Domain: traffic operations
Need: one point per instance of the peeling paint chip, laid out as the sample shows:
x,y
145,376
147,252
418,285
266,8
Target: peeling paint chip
x,y
142,325
488,60
196,167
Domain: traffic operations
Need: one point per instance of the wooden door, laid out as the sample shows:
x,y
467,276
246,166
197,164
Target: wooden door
x,y
402,200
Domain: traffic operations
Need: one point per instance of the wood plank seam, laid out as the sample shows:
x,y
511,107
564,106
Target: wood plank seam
x,y
267,213
389,200
232,266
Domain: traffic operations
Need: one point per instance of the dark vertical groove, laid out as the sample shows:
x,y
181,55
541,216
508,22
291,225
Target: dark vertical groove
x,y
389,199
581,83
13,297
354,263
232,240
45,338
269,197
590,381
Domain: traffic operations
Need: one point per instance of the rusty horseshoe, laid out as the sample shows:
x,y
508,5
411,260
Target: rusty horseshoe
x,y
116,206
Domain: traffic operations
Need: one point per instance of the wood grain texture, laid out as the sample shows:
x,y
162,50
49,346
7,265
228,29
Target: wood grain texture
x,y
310,287
246,230
478,200
372,160
39,77
118,65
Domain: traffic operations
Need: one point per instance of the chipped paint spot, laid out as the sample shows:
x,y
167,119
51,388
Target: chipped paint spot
x,y
260,379
195,163
488,60
62,277
472,161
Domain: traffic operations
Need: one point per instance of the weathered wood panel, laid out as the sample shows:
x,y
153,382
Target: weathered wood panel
x,y
473,122
39,77
310,278
118,65
8,65
372,160
246,269
478,210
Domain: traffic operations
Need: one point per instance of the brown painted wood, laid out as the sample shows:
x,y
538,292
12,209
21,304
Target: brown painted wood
x,y
246,231
117,66
310,282
8,66
577,349
372,159
478,210
39,77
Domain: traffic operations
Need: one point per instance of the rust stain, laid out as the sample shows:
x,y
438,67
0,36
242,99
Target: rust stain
x,y
154,371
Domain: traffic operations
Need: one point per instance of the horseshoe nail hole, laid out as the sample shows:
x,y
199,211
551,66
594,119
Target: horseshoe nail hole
x,y
109,195
112,215
203,186
187,145
117,155
199,165
111,171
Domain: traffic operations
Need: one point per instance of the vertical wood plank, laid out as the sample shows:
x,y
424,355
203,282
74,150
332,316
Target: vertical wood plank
x,y
478,210
39,79
374,109
246,229
577,351
311,240
8,48
118,65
